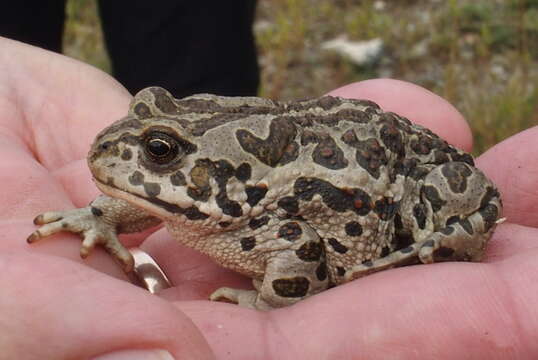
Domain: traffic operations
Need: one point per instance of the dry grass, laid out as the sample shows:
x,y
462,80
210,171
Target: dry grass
x,y
481,55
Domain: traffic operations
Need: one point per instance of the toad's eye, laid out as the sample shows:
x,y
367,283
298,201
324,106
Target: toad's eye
x,y
161,147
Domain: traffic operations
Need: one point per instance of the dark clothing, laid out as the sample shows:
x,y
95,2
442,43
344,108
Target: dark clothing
x,y
186,47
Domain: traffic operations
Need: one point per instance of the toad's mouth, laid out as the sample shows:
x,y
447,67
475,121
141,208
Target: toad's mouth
x,y
152,205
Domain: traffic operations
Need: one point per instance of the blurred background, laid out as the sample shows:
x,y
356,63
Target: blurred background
x,y
481,55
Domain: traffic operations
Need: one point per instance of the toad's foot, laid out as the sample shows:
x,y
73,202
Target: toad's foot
x,y
90,225
244,298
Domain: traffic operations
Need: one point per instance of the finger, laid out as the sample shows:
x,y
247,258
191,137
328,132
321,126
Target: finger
x,y
510,240
451,311
513,167
29,190
69,101
81,314
416,103
192,274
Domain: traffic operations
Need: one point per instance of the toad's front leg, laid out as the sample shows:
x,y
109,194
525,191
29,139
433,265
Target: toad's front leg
x,y
98,223
292,273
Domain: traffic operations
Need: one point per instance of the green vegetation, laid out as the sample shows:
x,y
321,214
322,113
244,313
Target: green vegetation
x,y
481,55
83,38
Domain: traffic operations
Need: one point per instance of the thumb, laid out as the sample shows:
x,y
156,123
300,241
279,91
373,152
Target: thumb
x,y
63,310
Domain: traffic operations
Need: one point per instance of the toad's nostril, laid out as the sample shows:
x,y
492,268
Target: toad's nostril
x,y
105,146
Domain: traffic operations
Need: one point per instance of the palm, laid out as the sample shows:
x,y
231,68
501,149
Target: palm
x,y
450,310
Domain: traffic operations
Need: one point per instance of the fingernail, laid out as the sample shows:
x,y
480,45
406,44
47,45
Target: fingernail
x,y
153,354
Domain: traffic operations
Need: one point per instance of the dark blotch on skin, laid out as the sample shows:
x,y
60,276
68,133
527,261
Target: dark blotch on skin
x,y
452,220
443,252
407,250
351,115
142,111
200,127
433,196
199,194
126,154
321,271
370,156
257,223
290,204
136,178
163,101
419,212
349,137
128,123
200,175
416,172
367,263
488,196
129,139
337,246
428,243
152,189
466,225
463,157
385,251
271,150
327,102
386,208
440,157
290,154
290,231
339,200
309,251
193,213
402,239
221,171
328,154
248,243
243,172
456,174
422,145
255,194
96,211
398,224
447,230
490,214
178,179
353,228
340,271
309,137
291,287
224,224
229,207
391,134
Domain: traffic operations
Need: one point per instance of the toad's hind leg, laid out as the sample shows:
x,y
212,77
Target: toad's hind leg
x,y
459,208
465,209
295,268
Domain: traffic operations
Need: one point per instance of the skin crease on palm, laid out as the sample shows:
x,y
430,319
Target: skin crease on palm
x,y
56,306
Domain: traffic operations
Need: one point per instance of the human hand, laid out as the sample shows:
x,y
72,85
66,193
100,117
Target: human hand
x,y
50,110
51,305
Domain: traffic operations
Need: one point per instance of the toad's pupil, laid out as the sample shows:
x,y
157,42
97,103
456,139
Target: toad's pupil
x,y
158,147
